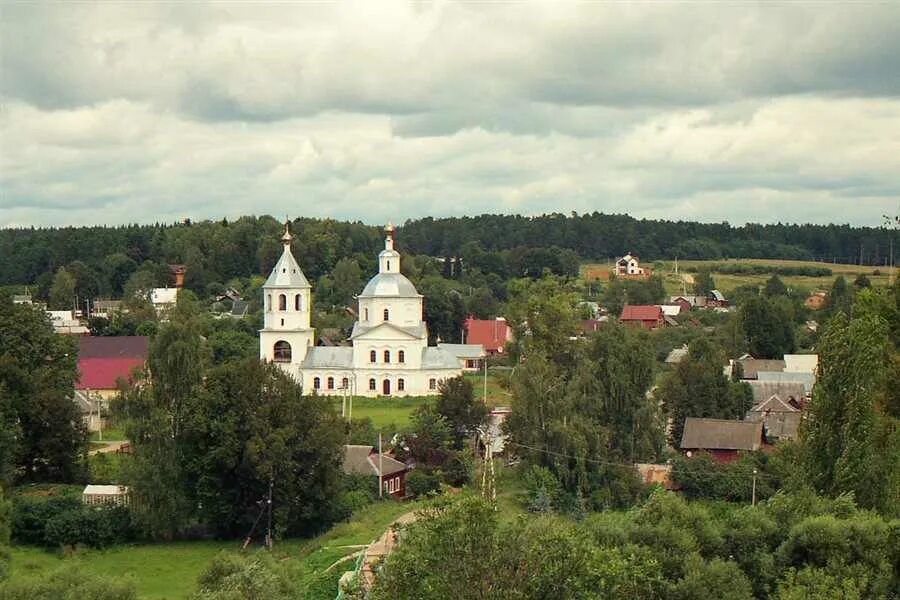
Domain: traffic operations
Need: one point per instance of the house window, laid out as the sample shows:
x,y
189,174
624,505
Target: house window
x,y
345,383
317,383
401,385
371,356
401,356
330,383
387,487
298,302
387,315
396,484
372,384
432,384
282,302
281,351
391,485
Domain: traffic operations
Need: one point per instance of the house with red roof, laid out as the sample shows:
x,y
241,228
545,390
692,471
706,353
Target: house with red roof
x,y
644,315
492,334
103,361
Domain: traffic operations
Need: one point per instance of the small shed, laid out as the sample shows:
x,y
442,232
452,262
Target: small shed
x,y
364,460
96,495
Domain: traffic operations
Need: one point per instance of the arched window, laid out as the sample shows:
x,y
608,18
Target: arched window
x,y
282,351
401,385
282,302
387,315
372,384
389,265
269,302
371,356
317,383
432,384
298,302
387,356
330,383
345,383
401,356
367,315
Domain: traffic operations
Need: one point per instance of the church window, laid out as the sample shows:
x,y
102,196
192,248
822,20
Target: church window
x,y
401,385
282,322
330,383
282,351
298,302
372,384
282,302
401,356
372,356
367,315
345,383
387,315
432,383
389,265
387,356
317,383
269,302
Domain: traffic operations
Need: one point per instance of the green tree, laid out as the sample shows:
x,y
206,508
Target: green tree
x,y
5,518
43,437
62,292
456,403
840,297
774,287
252,427
846,438
704,282
715,579
544,316
347,281
768,327
697,387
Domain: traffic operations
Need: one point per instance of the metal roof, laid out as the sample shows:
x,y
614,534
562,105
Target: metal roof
x,y
286,273
785,390
390,285
720,434
363,460
114,346
336,357
417,331
463,350
807,379
434,357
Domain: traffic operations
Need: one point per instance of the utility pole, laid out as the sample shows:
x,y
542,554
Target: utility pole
x,y
488,483
484,360
269,530
380,471
753,496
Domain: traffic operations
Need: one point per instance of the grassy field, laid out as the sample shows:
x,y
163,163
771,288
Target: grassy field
x,y
170,571
496,394
113,434
727,282
384,412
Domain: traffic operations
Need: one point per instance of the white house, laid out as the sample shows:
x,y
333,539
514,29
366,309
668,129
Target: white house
x,y
628,265
389,355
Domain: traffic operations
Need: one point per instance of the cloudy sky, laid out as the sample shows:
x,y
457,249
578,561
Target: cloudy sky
x,y
119,112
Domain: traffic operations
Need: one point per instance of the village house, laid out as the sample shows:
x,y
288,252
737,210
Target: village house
x,y
716,299
103,361
722,439
780,418
816,301
66,323
491,334
629,267
110,495
364,460
643,315
105,309
687,302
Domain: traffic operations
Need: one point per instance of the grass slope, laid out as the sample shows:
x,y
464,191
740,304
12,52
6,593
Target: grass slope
x,y
169,571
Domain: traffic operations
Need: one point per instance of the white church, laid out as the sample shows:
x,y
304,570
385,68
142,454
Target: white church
x,y
389,355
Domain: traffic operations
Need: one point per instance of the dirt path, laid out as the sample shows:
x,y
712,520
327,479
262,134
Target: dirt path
x,y
109,447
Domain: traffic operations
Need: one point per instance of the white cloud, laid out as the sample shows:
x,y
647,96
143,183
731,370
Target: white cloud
x,y
157,111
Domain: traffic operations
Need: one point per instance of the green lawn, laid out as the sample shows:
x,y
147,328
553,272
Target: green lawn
x,y
170,571
384,412
113,434
497,395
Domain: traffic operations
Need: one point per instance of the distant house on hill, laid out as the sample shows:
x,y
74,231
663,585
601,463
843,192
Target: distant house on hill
x,y
688,302
65,322
163,299
492,334
723,439
644,315
748,367
716,299
629,266
103,361
364,460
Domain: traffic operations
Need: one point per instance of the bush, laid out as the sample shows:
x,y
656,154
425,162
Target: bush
x,y
65,521
542,489
69,583
718,578
420,483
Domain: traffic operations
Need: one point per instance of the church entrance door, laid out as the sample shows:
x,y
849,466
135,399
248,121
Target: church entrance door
x,y
386,387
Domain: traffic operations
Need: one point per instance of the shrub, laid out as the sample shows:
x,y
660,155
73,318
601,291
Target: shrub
x,y
718,578
420,483
69,582
542,489
66,521
31,514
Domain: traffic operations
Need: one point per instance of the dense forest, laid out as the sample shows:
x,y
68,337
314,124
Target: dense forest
x,y
216,251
